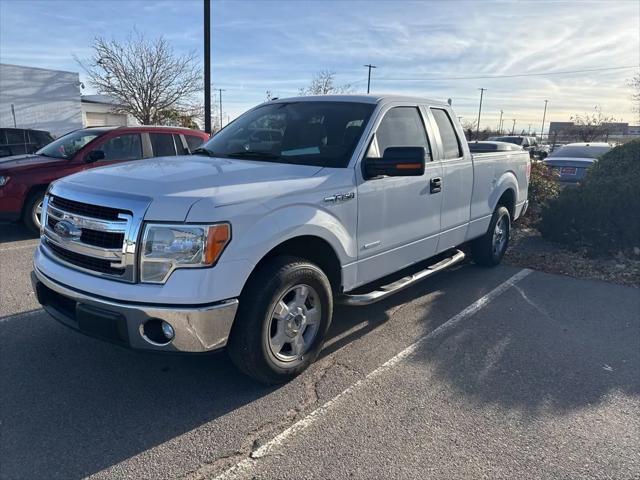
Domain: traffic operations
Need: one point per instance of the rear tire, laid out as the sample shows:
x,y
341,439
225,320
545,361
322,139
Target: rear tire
x,y
489,249
32,212
283,316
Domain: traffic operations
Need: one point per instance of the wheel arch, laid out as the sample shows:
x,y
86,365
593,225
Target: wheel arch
x,y
313,248
33,189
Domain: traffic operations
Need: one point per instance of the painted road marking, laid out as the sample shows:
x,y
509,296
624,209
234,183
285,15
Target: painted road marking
x,y
245,465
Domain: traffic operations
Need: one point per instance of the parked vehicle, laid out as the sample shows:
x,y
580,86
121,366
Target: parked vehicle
x,y
571,161
25,178
18,141
248,244
477,146
530,144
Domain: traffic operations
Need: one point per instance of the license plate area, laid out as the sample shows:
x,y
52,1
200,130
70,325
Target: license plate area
x,y
568,171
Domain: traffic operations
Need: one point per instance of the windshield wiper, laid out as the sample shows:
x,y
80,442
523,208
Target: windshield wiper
x,y
253,154
202,151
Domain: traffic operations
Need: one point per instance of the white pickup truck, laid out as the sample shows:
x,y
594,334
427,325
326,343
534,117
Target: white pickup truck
x,y
297,204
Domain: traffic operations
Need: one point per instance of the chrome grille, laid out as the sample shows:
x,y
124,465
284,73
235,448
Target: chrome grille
x,y
92,238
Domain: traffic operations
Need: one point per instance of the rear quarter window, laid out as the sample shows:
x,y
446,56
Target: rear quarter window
x,y
450,141
193,141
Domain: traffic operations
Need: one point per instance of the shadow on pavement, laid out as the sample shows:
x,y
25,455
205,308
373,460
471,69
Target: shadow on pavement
x,y
74,406
13,232
553,343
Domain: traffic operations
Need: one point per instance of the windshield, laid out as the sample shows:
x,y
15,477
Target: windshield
x,y
580,151
311,133
516,140
66,146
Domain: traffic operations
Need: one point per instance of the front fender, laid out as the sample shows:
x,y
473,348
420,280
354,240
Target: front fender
x,y
293,221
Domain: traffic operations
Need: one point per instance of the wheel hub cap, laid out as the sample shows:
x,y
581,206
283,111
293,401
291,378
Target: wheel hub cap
x,y
294,323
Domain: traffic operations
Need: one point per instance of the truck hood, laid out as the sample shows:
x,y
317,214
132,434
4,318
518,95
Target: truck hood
x,y
173,184
8,164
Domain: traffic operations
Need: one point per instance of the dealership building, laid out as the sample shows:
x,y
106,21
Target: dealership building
x,y
51,100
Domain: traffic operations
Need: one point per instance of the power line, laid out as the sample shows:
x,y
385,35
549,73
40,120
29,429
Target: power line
x,y
537,74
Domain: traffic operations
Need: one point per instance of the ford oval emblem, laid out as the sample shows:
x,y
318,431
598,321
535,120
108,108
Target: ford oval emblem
x,y
67,230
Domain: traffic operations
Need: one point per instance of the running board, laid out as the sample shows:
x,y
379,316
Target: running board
x,y
387,290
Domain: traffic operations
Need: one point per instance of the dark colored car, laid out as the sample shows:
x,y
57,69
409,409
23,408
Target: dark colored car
x,y
25,178
571,161
490,147
18,141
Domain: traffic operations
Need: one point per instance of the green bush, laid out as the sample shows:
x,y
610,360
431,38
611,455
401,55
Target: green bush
x,y
543,186
603,212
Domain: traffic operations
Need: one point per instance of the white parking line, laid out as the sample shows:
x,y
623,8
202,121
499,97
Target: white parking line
x,y
19,247
245,465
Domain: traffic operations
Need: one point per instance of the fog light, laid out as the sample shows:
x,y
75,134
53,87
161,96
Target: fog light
x,y
167,330
157,332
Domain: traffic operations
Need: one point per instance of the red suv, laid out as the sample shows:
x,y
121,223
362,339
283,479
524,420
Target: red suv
x,y
24,178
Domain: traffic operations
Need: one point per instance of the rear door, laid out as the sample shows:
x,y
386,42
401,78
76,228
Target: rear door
x,y
457,181
398,217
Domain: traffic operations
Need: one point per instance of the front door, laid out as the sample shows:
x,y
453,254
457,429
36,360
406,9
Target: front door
x,y
398,217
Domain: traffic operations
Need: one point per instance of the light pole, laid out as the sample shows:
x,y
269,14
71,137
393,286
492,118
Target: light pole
x,y
513,128
500,123
479,112
529,132
220,90
369,76
544,116
207,66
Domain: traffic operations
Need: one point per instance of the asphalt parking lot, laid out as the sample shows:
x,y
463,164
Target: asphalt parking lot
x,y
476,373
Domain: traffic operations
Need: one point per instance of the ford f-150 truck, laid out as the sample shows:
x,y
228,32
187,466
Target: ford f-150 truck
x,y
297,204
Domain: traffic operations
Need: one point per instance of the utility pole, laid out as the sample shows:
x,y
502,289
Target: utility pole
x,y
13,112
220,90
529,132
479,112
500,123
207,66
544,116
513,129
369,77
460,119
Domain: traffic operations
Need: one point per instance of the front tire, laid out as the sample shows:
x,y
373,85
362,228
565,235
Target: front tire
x,y
489,249
33,211
283,316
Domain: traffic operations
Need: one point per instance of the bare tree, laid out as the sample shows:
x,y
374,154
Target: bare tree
x,y
634,83
323,83
144,77
591,126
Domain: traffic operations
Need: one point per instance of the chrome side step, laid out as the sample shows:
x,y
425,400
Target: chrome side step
x,y
387,290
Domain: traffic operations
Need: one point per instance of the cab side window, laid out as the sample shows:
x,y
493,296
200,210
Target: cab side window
x,y
450,140
400,127
123,147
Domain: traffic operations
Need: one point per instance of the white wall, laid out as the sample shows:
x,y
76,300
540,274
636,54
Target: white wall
x,y
43,99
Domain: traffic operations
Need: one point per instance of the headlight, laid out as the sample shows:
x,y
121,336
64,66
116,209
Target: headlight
x,y
3,180
167,247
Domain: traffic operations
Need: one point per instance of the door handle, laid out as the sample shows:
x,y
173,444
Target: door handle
x,y
435,185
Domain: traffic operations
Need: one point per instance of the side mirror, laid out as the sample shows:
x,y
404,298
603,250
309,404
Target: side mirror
x,y
94,156
396,162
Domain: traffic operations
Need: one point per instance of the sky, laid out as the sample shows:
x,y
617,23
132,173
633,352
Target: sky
x,y
430,49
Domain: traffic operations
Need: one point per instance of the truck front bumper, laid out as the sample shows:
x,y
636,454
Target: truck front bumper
x,y
197,329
